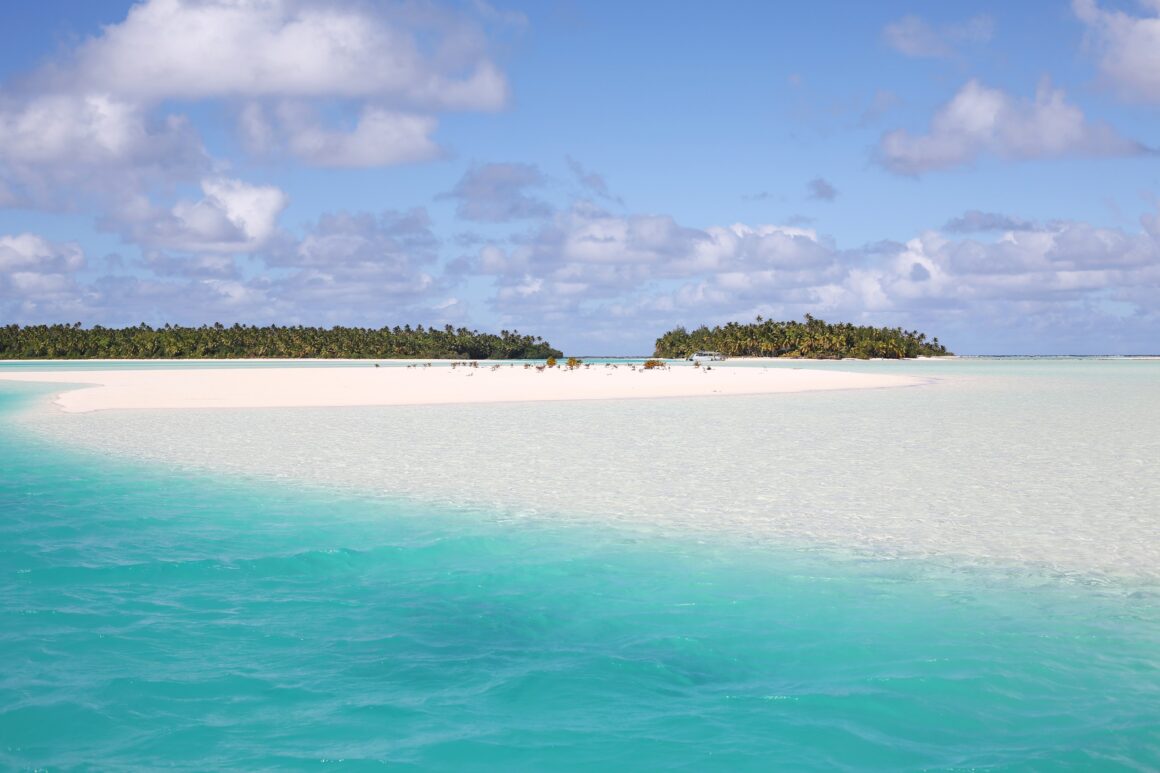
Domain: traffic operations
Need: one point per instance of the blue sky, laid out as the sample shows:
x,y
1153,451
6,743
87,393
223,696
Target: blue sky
x,y
594,172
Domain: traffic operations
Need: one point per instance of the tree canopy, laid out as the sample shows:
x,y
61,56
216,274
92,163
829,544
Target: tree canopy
x,y
236,341
813,338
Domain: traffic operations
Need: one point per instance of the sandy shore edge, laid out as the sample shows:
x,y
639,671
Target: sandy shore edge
x,y
98,390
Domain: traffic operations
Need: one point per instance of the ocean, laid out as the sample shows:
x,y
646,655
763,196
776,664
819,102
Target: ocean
x,y
954,576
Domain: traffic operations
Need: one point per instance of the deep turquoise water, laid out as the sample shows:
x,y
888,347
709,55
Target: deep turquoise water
x,y
154,619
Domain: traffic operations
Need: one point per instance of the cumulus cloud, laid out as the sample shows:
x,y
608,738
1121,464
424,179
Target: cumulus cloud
x,y
346,84
625,277
581,254
914,37
1066,264
347,268
585,235
54,147
286,58
184,49
179,297
611,274
29,252
585,255
232,216
392,241
981,120
497,193
1024,312
1126,47
357,266
197,266
378,137
37,277
742,248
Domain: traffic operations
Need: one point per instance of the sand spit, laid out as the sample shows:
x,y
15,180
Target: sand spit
x,y
366,385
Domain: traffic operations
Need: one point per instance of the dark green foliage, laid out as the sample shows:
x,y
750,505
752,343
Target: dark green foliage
x,y
221,342
812,339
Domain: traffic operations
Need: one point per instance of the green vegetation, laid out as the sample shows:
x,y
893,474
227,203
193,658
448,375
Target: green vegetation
x,y
574,362
812,339
220,342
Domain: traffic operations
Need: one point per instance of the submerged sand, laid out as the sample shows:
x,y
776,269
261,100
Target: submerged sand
x,y
365,385
1034,466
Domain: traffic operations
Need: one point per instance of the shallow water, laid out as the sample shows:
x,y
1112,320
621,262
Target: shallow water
x,y
1052,463
157,612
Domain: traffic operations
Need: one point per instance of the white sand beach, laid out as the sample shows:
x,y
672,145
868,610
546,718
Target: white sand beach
x,y
366,385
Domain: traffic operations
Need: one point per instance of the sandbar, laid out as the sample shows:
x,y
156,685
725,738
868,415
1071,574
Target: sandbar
x,y
365,385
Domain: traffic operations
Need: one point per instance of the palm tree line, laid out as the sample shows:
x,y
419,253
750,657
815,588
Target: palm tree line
x,y
65,341
813,339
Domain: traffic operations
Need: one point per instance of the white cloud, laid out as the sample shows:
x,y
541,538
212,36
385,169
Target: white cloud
x,y
1031,287
180,49
88,129
346,269
37,278
232,216
1127,48
358,265
340,241
399,64
29,252
584,255
379,138
54,146
99,123
912,36
741,247
1038,287
981,120
252,209
209,266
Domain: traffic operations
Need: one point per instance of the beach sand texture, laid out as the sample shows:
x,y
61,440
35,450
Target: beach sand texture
x,y
369,386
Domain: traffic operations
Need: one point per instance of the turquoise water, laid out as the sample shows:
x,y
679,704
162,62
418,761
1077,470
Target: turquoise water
x,y
156,619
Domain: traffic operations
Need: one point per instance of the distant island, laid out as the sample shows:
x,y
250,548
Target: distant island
x,y
36,342
811,339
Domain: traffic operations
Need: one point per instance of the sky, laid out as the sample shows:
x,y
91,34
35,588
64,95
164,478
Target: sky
x,y
592,172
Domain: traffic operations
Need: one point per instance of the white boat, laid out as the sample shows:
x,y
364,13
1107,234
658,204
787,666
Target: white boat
x,y
706,357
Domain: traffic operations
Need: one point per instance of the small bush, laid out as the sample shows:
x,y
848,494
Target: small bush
x,y
650,364
574,363
551,363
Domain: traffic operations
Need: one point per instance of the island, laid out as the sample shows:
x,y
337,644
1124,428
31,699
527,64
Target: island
x,y
812,339
217,341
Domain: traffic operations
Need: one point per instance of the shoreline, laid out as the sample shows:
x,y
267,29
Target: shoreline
x,y
98,390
